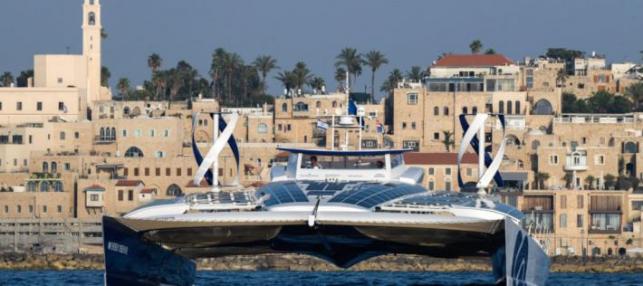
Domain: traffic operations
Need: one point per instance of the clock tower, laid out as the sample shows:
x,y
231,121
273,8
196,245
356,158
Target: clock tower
x,y
92,30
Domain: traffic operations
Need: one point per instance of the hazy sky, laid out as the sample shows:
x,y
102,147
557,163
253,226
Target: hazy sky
x,y
408,32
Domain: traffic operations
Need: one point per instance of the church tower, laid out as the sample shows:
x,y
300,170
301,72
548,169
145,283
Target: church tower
x,y
92,48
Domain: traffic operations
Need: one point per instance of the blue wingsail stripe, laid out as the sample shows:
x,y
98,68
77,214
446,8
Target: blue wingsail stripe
x,y
199,158
232,142
474,144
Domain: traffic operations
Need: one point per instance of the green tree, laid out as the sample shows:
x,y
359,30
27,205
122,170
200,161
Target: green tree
x,y
351,61
374,59
540,179
415,74
475,46
23,79
609,181
7,79
123,86
287,79
448,140
301,74
564,54
561,78
105,74
589,182
490,52
340,77
635,93
391,82
316,83
265,64
569,102
154,62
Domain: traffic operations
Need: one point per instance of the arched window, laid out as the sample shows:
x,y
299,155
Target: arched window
x,y
334,104
44,186
510,107
54,167
474,110
173,191
543,107
58,186
32,186
518,107
134,152
91,2
436,111
91,19
630,147
126,110
446,111
45,167
284,107
262,128
501,107
113,133
318,104
465,110
300,106
535,144
102,134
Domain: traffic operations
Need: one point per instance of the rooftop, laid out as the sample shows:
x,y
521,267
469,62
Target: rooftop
x,y
472,60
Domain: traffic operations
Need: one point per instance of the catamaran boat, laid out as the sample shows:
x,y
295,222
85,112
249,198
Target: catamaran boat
x,y
343,206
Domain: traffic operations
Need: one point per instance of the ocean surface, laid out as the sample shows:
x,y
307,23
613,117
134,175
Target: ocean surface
x,y
265,278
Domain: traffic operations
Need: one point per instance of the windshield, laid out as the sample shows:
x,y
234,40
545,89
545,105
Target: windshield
x,y
342,162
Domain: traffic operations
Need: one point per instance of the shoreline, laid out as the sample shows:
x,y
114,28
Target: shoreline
x,y
295,262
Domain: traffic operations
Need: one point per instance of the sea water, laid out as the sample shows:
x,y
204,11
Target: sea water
x,y
266,278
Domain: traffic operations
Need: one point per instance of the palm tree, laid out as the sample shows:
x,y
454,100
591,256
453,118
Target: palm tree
x,y
123,87
391,82
352,62
176,83
217,70
490,52
475,46
287,78
635,93
301,74
374,59
264,65
7,79
448,140
231,63
316,83
415,74
154,62
105,74
540,179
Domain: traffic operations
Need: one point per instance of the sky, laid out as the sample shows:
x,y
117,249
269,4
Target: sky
x,y
409,32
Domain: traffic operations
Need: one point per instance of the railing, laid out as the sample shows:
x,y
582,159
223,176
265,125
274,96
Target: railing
x,y
595,118
49,235
576,163
104,140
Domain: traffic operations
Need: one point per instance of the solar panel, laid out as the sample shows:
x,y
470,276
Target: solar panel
x,y
281,193
321,193
370,195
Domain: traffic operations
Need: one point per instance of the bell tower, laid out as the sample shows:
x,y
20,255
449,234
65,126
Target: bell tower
x,y
92,30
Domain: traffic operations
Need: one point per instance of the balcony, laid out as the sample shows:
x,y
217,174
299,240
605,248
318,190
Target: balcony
x,y
576,161
605,222
104,140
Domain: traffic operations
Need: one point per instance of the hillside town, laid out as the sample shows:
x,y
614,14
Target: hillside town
x,y
72,149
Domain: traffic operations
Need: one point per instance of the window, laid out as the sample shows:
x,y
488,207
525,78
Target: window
x,y
130,195
124,132
262,128
19,208
436,135
413,126
579,220
77,135
120,195
465,110
59,208
403,125
289,128
334,104
166,133
553,160
509,107
189,171
62,135
447,171
136,172
152,132
67,166
178,171
0,105
168,172
446,111
414,145
431,186
501,107
133,152
469,172
39,106
94,197
284,107
579,202
91,19
447,185
412,98
125,172
436,111
19,105
474,110
137,133
158,172
599,160
61,106
6,209
563,202
44,209
431,171
562,221
517,107
147,171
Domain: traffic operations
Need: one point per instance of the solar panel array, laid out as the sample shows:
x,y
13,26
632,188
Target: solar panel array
x,y
281,193
369,195
456,199
222,197
314,188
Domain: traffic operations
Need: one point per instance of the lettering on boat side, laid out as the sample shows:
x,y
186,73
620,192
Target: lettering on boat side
x,y
117,247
